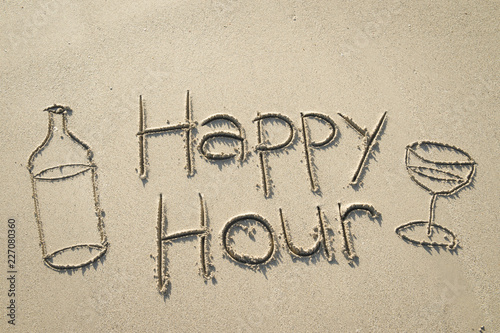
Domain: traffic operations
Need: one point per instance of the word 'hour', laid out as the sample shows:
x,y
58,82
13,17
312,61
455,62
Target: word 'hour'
x,y
264,147
322,241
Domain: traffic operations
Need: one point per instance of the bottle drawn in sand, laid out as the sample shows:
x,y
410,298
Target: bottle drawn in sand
x,y
67,209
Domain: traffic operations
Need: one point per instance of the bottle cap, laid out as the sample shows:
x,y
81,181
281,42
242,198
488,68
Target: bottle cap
x,y
57,109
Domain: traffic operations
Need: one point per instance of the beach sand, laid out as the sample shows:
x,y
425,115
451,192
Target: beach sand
x,y
431,68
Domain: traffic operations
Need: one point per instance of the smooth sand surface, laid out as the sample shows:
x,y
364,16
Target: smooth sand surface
x,y
432,66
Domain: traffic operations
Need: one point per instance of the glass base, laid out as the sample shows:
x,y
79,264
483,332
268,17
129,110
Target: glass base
x,y
416,233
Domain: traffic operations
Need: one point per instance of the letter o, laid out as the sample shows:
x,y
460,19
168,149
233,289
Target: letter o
x,y
245,258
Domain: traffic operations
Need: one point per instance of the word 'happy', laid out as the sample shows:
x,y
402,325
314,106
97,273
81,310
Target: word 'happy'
x,y
263,148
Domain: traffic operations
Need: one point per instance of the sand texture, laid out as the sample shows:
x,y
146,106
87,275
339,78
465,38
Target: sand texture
x,y
250,166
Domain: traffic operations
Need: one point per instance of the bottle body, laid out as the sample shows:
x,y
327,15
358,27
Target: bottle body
x,y
65,194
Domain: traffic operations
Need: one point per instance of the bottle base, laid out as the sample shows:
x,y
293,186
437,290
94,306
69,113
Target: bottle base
x,y
75,256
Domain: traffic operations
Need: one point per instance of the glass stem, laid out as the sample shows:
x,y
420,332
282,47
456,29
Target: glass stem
x,y
431,213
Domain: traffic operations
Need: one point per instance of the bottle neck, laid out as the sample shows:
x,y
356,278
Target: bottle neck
x,y
57,123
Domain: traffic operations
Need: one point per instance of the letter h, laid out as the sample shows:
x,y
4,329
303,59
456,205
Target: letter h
x,y
185,126
202,233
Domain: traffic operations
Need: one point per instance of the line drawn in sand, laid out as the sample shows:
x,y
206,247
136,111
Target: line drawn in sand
x,y
61,205
320,236
264,147
369,141
162,274
440,169
309,144
186,126
345,230
238,137
246,259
